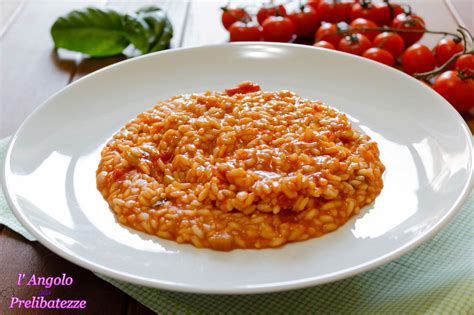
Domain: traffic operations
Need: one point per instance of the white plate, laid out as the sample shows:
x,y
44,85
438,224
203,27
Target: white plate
x,y
425,145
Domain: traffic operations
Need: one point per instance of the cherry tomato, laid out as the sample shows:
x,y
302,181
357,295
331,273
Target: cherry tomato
x,y
354,44
409,22
313,3
394,9
377,12
465,63
391,42
334,11
456,90
445,49
244,32
268,11
229,16
243,88
164,156
360,22
328,32
418,58
306,21
324,44
382,15
278,29
117,173
380,55
363,9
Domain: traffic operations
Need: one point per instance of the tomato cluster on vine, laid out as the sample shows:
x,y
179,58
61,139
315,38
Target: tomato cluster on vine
x,y
383,31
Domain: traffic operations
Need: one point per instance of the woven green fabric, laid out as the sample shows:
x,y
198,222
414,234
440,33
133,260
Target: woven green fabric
x,y
436,278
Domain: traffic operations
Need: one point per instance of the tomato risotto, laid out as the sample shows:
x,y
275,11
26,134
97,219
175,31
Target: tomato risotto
x,y
242,168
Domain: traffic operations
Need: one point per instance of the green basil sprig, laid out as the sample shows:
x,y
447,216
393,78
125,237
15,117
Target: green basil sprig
x,y
105,32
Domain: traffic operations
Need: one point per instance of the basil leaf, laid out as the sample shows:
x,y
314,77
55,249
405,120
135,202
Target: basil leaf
x,y
165,39
101,33
150,8
137,31
156,22
92,31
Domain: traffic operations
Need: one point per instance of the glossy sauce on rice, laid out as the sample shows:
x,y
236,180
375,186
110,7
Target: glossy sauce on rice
x,y
242,168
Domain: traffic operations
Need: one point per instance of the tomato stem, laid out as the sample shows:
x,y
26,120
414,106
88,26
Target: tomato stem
x,y
352,38
301,5
467,37
465,76
365,3
391,9
395,30
225,8
406,8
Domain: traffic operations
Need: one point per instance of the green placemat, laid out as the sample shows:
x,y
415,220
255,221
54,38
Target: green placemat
x,y
436,278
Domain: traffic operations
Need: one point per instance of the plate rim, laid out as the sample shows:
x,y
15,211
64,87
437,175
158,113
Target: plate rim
x,y
253,289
